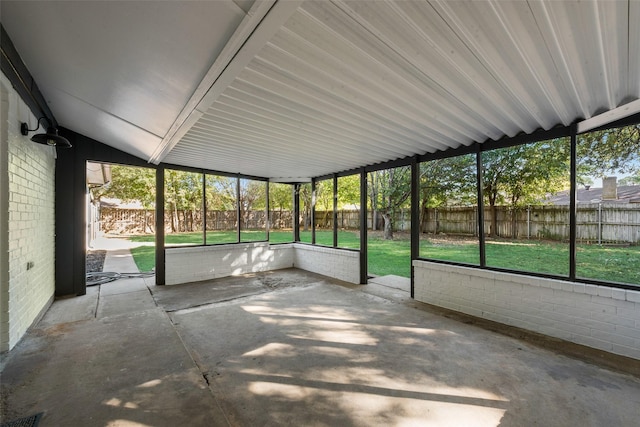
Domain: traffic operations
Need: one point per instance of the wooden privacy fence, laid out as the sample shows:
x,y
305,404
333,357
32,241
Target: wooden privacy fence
x,y
127,221
141,221
596,222
350,220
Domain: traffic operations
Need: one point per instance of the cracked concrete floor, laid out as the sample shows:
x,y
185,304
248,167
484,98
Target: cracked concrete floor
x,y
292,348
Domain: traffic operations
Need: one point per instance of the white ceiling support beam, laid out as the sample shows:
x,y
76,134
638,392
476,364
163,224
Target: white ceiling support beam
x,y
611,116
263,20
186,118
290,180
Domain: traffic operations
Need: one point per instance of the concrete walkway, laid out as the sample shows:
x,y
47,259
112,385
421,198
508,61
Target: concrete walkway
x,y
292,348
118,259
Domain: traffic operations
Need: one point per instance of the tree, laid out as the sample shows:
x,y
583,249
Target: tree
x,y
524,174
391,189
280,199
183,195
450,181
631,180
252,197
607,152
130,184
221,202
348,191
305,205
280,196
221,193
324,201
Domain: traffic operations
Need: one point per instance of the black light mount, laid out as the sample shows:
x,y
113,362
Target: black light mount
x,y
50,138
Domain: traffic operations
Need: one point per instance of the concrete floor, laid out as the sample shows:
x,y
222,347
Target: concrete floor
x,y
293,348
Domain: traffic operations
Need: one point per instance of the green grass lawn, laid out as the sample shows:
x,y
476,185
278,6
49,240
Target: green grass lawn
x,y
619,264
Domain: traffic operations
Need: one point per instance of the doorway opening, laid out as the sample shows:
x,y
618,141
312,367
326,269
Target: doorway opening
x,y
389,210
120,234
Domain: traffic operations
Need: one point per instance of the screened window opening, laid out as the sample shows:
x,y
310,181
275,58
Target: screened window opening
x,y
608,205
222,211
348,213
449,210
323,219
280,212
183,208
304,220
253,210
524,229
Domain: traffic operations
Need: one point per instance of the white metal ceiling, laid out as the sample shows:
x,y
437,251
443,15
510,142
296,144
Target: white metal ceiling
x,y
120,72
303,89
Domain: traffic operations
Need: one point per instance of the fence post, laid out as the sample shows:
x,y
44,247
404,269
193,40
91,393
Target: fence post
x,y
528,222
599,223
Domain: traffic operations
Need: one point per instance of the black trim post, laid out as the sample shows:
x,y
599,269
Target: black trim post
x,y
296,212
80,190
65,221
335,210
572,203
160,256
267,223
415,218
363,227
313,211
480,204
238,227
204,208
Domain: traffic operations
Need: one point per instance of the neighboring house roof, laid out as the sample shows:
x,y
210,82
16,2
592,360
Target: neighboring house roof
x,y
626,194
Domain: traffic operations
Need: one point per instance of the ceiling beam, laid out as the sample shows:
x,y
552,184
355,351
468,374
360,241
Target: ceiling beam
x,y
263,20
610,116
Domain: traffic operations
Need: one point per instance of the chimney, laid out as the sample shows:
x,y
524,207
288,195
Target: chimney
x,y
610,188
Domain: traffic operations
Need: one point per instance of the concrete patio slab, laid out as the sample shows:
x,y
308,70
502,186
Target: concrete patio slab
x,y
302,350
123,286
332,355
69,310
392,281
177,297
113,305
129,370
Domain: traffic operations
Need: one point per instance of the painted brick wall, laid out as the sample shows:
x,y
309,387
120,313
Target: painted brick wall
x,y
30,197
337,263
596,316
194,264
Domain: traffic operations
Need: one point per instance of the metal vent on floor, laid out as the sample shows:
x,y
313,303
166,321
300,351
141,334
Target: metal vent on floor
x,y
31,421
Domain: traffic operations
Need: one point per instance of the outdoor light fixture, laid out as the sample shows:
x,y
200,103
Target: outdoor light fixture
x,y
50,138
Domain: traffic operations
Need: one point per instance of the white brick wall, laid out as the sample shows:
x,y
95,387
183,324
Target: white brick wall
x,y
193,264
340,264
29,236
596,316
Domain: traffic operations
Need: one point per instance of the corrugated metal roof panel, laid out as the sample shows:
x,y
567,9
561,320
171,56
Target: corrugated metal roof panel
x,y
344,84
